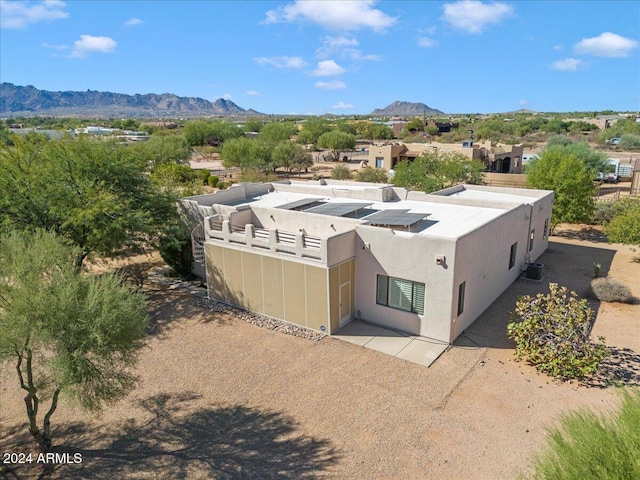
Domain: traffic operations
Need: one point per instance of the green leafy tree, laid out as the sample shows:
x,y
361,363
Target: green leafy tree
x,y
624,227
416,125
96,193
291,156
571,181
66,332
337,141
347,127
552,333
376,131
312,130
253,125
246,154
276,132
435,170
593,160
161,149
204,132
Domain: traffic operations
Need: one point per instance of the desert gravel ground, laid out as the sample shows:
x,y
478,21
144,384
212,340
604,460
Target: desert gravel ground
x,y
221,398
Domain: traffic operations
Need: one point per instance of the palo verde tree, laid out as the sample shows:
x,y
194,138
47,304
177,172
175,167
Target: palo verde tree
x,y
66,332
291,156
337,141
96,193
571,181
435,170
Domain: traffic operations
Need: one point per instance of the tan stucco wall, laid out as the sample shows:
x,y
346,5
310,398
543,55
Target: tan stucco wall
x,y
285,289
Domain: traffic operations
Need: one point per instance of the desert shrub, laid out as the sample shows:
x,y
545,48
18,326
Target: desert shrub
x,y
552,333
372,175
222,185
256,176
341,172
610,290
587,445
629,142
203,176
213,180
604,213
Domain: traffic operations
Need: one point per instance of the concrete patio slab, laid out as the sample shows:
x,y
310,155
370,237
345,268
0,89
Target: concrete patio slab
x,y
411,348
358,333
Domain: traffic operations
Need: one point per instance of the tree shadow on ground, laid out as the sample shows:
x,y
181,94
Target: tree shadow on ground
x,y
565,264
169,306
585,234
226,442
620,369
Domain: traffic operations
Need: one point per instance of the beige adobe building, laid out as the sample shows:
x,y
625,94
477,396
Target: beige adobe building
x,y
320,254
496,157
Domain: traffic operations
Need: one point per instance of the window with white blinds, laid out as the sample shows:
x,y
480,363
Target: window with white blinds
x,y
401,294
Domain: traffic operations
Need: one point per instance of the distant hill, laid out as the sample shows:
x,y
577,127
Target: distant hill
x,y
29,100
405,109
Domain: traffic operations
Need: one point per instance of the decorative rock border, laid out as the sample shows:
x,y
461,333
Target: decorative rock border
x,y
260,320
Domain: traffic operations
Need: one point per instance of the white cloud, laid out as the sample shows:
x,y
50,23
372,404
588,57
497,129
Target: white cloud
x,y
251,93
557,48
333,14
54,47
336,45
427,42
133,21
332,85
473,16
342,106
89,43
282,62
567,65
227,96
19,14
606,45
328,68
523,102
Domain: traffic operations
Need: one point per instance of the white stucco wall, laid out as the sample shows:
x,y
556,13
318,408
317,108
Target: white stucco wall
x,y
410,257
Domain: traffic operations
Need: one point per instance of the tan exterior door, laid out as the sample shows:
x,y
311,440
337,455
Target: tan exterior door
x,y
345,303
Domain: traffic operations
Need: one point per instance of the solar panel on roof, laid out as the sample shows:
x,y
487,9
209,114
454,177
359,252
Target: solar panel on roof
x,y
338,209
298,204
400,218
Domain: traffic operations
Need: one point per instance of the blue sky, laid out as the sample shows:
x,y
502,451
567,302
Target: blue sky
x,y
314,57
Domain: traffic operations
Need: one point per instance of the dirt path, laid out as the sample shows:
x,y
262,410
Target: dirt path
x,y
220,398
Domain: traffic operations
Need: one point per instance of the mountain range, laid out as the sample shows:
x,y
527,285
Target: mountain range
x,y
29,100
18,100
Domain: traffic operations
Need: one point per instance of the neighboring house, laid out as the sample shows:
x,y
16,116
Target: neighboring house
x,y
496,157
319,254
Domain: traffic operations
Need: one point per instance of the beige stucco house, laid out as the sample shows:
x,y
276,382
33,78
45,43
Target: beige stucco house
x,y
496,157
320,254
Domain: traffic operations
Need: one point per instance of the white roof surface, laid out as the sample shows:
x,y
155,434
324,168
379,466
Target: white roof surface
x,y
451,221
